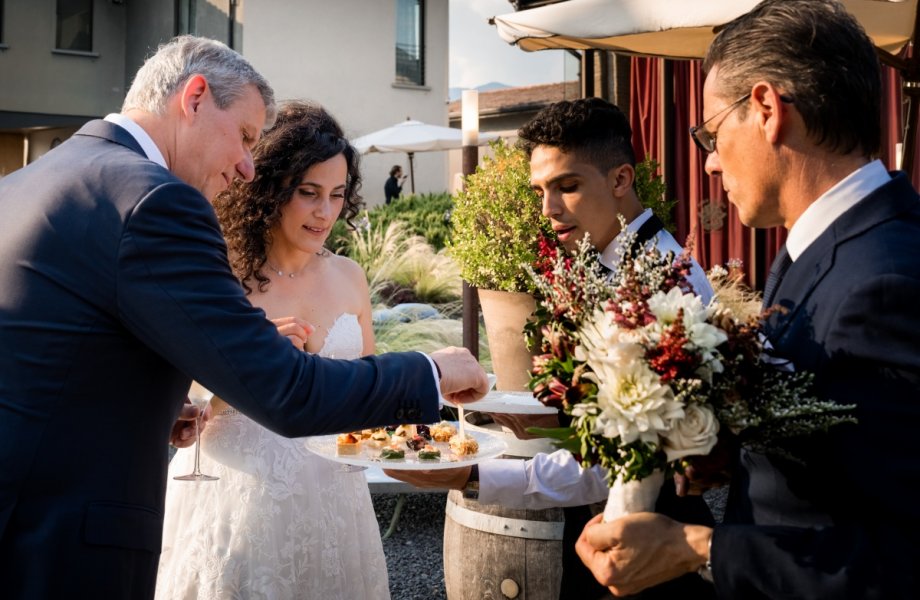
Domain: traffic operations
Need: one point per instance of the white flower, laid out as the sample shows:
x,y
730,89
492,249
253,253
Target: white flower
x,y
665,307
633,403
695,434
602,341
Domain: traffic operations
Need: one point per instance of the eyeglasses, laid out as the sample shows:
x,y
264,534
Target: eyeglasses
x,y
706,140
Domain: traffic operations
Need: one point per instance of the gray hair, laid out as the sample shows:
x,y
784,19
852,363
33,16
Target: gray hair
x,y
175,62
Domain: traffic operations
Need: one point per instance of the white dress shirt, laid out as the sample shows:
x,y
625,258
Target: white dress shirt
x,y
822,213
140,136
557,479
666,243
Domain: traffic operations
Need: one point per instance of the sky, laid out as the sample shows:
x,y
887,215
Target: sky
x,y
478,55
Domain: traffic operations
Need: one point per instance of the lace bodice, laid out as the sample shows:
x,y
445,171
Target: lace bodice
x,y
280,523
344,338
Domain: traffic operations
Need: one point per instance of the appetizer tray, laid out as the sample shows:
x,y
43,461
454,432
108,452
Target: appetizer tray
x,y
490,446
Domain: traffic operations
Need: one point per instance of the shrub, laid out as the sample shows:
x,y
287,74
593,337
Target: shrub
x,y
402,267
651,192
425,215
497,221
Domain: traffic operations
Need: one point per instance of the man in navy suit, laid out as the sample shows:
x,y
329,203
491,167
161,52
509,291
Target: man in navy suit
x,y
792,104
115,292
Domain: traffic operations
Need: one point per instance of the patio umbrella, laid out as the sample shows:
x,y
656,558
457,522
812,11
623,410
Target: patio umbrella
x,y
681,29
671,28
414,136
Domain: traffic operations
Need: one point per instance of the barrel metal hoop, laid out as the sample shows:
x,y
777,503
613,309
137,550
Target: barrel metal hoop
x,y
521,528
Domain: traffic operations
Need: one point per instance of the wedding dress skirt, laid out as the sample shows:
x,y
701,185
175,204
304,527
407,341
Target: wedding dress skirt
x,y
280,523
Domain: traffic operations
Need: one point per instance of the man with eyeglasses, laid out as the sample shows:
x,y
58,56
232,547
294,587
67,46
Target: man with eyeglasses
x,y
792,95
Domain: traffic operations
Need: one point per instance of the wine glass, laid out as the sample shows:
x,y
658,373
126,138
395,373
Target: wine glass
x,y
199,396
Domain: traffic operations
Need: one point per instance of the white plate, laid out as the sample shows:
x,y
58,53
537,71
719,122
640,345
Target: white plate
x,y
490,446
512,403
516,447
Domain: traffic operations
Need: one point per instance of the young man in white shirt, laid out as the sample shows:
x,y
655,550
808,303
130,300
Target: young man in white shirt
x,y
582,167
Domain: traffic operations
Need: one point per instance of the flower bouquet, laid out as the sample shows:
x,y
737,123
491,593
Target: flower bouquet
x,y
650,375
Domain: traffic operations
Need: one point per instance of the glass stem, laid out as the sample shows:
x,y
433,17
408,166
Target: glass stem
x,y
197,470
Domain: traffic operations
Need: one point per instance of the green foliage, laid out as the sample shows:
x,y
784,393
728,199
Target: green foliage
x,y
402,267
651,191
425,215
496,223
426,335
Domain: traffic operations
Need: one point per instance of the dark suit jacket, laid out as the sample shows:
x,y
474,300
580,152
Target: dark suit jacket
x,y
115,291
846,523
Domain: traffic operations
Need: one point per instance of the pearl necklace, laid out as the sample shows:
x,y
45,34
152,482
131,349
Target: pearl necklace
x,y
323,252
279,271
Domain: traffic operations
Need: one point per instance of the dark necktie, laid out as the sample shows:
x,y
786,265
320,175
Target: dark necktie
x,y
777,271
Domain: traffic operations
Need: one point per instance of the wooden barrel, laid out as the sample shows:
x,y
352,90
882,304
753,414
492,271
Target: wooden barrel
x,y
492,552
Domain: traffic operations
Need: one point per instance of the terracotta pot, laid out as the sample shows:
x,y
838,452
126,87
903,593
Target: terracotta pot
x,y
505,314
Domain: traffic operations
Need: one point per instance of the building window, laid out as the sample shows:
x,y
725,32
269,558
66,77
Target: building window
x,y
410,42
74,25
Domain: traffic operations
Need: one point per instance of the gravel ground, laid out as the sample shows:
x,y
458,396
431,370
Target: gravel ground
x,y
414,551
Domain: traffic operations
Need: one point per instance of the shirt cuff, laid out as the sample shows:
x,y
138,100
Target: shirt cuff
x,y
502,481
435,378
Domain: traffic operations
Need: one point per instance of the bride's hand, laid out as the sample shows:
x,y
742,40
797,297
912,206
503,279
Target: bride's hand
x,y
295,329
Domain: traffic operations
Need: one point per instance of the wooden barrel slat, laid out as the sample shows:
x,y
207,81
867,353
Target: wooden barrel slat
x,y
476,562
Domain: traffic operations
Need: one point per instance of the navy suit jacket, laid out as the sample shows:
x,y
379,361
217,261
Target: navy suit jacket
x,y
115,292
846,522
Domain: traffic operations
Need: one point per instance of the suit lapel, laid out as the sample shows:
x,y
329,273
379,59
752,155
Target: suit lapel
x,y
793,291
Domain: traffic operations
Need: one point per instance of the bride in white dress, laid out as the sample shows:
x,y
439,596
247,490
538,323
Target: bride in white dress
x,y
282,523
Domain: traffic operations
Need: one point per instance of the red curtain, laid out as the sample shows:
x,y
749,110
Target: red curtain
x,y
643,108
703,210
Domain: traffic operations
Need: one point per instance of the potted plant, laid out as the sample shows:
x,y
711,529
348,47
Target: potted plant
x,y
496,225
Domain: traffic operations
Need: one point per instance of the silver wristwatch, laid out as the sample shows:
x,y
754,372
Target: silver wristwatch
x,y
705,570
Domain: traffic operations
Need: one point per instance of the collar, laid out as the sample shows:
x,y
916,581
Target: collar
x,y
141,136
609,257
822,213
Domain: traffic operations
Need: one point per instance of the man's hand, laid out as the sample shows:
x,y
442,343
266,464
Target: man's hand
x,y
442,479
462,379
640,550
183,431
296,330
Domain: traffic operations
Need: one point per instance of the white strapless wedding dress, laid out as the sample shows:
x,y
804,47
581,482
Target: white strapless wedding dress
x,y
280,523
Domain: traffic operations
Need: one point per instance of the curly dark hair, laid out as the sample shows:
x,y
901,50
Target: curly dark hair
x,y
303,135
591,128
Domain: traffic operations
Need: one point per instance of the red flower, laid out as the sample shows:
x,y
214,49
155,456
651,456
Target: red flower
x,y
670,358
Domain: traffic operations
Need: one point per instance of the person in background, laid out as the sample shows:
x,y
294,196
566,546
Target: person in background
x,y
394,184
277,522
115,293
582,167
791,107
